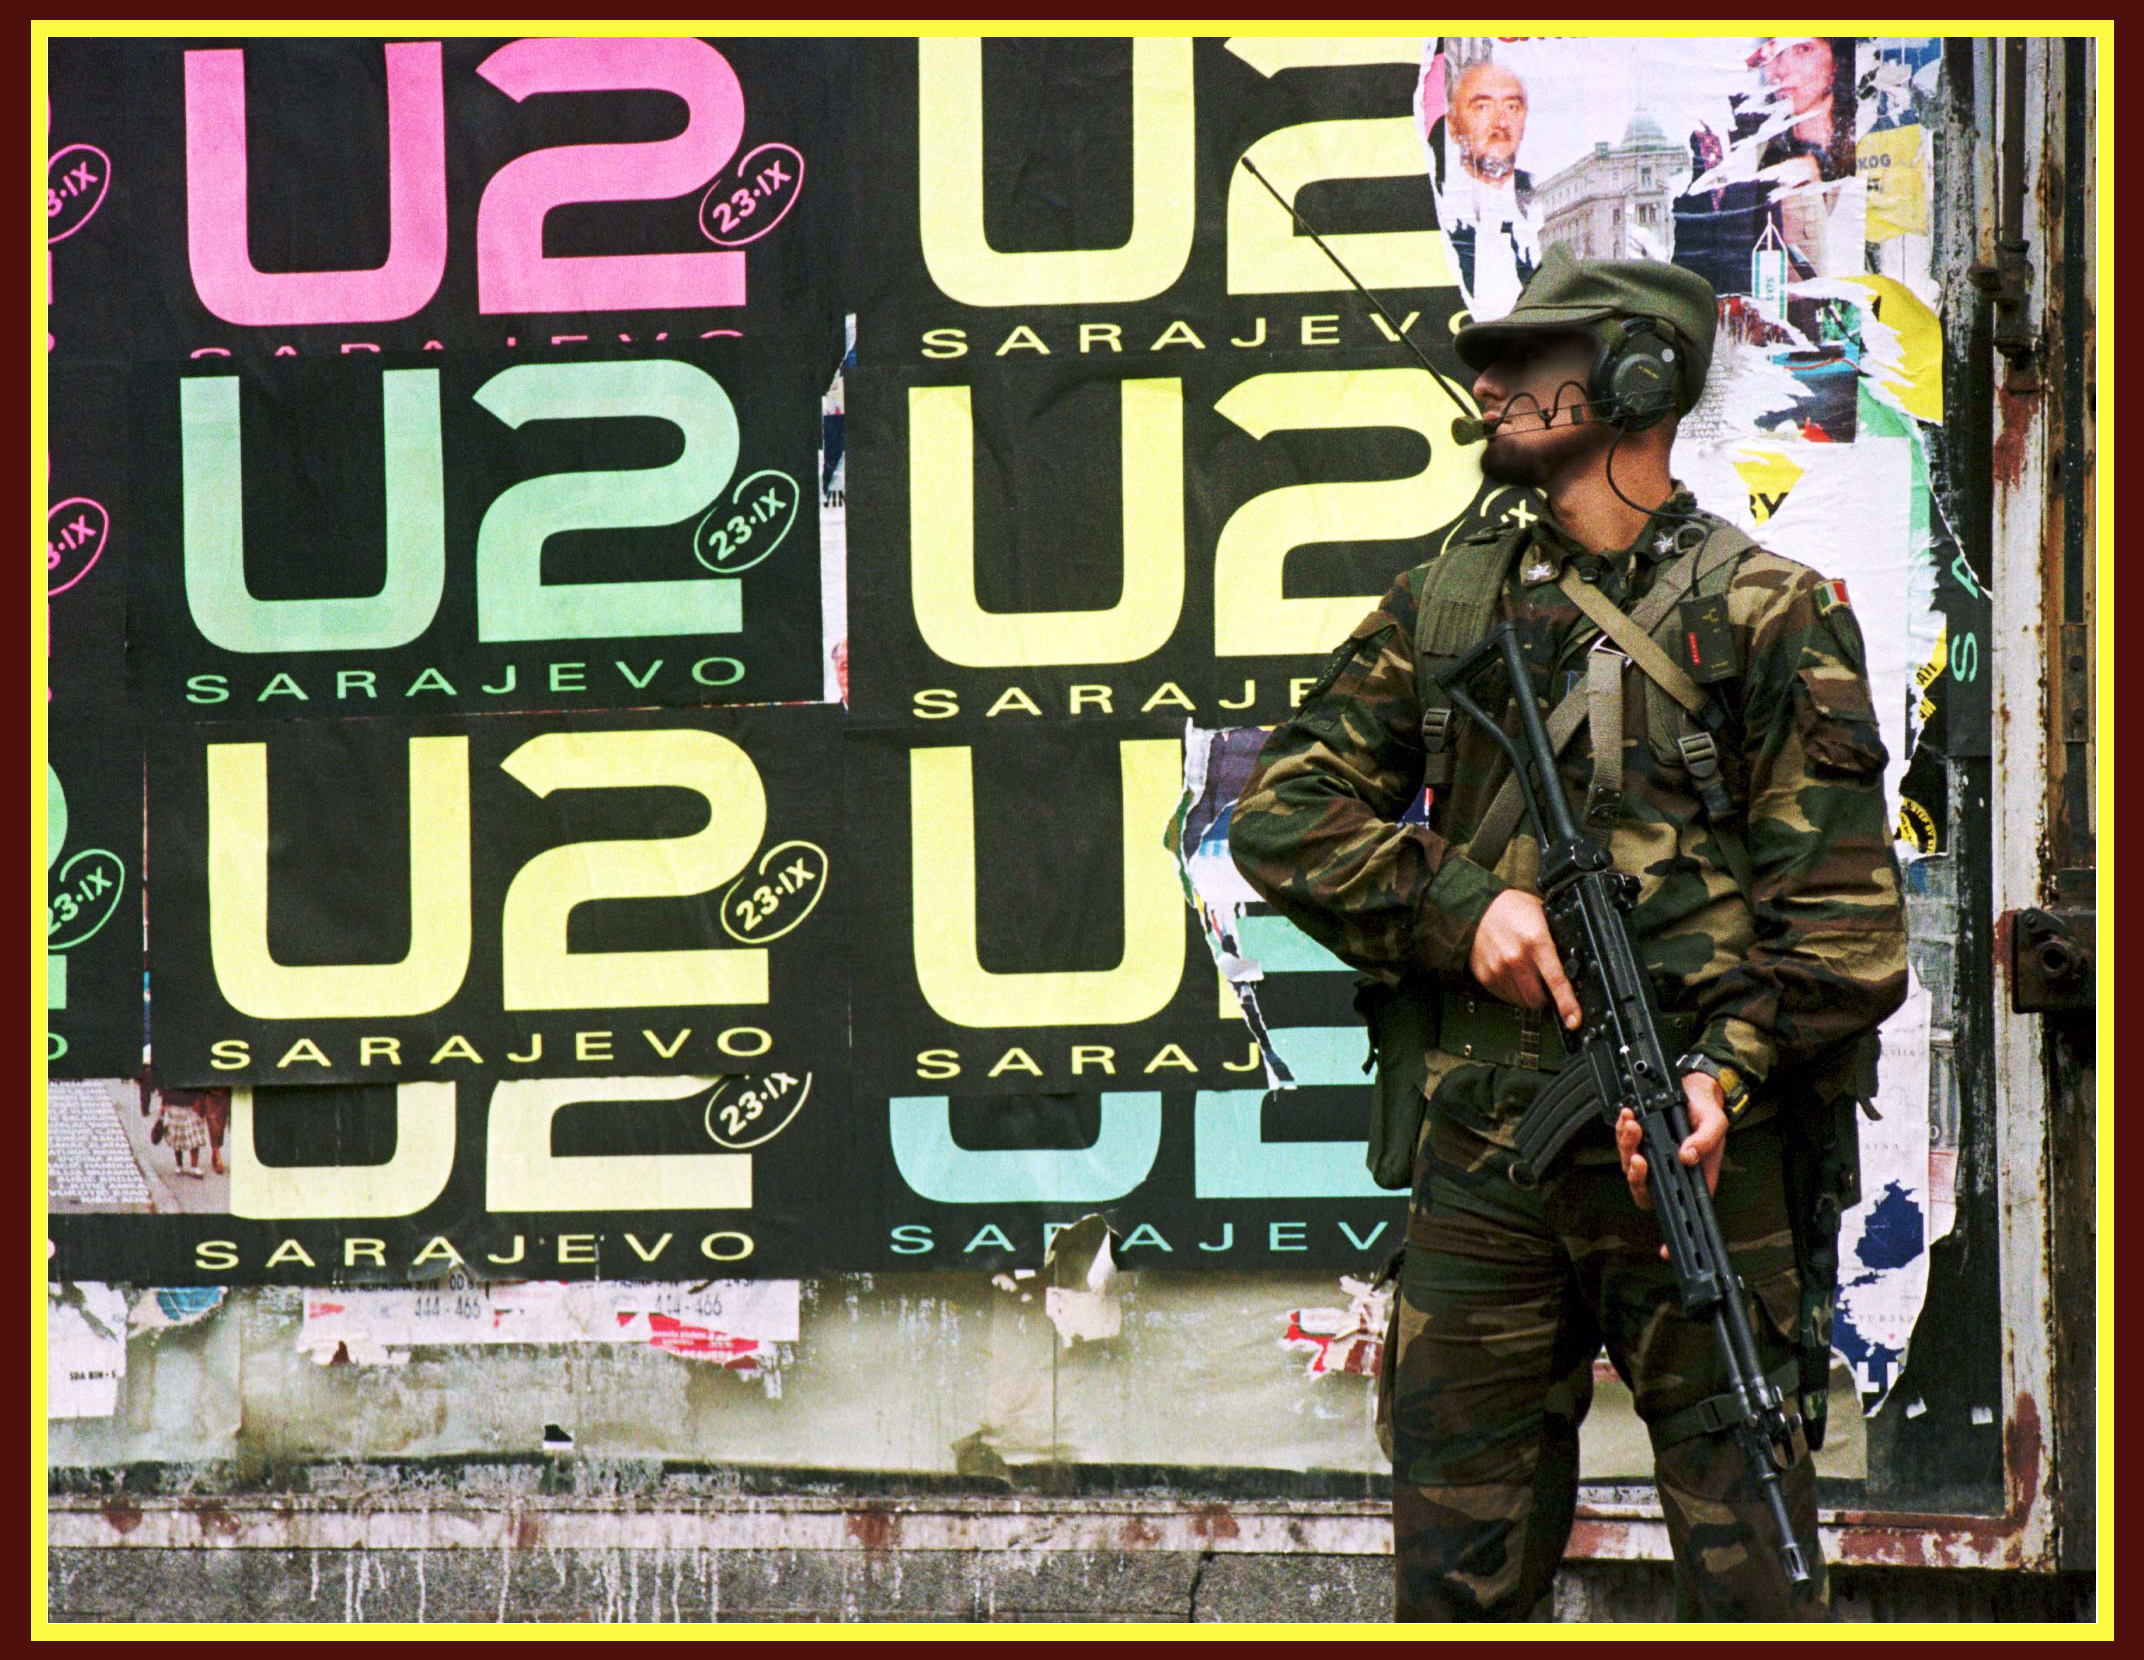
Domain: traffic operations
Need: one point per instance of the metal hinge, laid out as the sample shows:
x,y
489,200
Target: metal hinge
x,y
2008,282
2051,959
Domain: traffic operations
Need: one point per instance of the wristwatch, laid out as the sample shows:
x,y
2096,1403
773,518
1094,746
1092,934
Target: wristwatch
x,y
1734,1088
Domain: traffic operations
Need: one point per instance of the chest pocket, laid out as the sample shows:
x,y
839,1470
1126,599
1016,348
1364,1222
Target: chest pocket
x,y
1675,738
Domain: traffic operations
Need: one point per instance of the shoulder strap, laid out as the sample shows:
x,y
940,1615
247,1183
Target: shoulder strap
x,y
1635,642
1722,543
1700,572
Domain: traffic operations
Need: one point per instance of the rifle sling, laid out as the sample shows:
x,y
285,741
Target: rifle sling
x,y
1717,1413
1636,640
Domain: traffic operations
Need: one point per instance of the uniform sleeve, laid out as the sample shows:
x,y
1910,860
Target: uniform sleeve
x,y
1829,960
1316,829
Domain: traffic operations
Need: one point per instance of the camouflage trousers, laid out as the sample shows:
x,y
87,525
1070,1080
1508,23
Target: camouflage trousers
x,y
1505,1298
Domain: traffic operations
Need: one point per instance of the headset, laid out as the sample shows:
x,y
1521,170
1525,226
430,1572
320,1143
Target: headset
x,y
1637,375
1635,382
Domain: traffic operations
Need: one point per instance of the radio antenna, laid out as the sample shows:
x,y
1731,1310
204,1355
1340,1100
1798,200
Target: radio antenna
x,y
1398,333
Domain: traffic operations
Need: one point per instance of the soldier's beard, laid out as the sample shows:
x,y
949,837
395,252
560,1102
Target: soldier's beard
x,y
1513,460
1533,457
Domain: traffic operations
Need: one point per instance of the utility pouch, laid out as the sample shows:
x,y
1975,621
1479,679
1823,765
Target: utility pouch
x,y
1402,1021
1823,1171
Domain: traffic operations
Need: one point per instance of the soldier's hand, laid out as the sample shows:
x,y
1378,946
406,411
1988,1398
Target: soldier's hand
x,y
1515,959
1706,1144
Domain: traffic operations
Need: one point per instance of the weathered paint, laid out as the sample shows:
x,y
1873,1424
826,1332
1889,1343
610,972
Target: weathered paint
x,y
1347,1527
2019,822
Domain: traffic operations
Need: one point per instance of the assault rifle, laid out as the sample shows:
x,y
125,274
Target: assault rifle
x,y
1621,1061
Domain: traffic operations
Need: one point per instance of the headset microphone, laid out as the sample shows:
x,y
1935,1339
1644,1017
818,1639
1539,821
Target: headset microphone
x,y
1472,429
1631,387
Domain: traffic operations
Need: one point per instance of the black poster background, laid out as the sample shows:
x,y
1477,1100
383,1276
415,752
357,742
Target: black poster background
x,y
807,1208
93,895
1049,526
339,887
91,204
317,193
314,510
90,528
1049,885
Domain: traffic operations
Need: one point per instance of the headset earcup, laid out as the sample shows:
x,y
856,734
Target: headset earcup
x,y
1641,377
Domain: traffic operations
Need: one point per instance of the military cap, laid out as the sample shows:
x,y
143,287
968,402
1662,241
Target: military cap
x,y
1567,293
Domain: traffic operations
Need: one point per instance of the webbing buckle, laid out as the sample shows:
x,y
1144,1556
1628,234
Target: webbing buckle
x,y
1701,755
1436,750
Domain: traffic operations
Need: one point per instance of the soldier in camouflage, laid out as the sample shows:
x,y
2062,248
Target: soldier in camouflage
x,y
1767,972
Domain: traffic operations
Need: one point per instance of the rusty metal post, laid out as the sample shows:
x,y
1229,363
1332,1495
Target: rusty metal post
x,y
2043,465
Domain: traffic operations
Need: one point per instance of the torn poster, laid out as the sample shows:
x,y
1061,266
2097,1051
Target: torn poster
x,y
85,1349
1734,157
707,1320
1797,497
1899,351
1249,939
115,1146
1883,1241
167,1309
834,528
1899,82
1350,1339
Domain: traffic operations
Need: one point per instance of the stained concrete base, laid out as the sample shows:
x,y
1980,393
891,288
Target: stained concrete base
x,y
642,1586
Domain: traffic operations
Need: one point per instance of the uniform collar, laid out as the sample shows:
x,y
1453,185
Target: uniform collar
x,y
1551,546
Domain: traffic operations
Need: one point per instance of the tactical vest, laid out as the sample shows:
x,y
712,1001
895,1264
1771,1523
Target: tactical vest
x,y
1461,594
1683,722
1686,725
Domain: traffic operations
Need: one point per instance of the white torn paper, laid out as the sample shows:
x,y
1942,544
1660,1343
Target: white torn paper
x,y
85,1349
1884,1240
727,1321
1081,1301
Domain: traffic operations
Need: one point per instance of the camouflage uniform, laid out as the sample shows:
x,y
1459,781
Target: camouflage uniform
x,y
1506,1295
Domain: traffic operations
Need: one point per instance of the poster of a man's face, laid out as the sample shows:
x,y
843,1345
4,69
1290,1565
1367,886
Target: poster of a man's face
x,y
1473,124
1487,120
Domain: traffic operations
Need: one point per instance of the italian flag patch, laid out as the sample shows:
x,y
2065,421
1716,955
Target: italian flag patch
x,y
1830,595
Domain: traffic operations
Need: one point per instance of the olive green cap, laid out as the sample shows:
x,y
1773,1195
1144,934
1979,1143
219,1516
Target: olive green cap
x,y
1567,293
